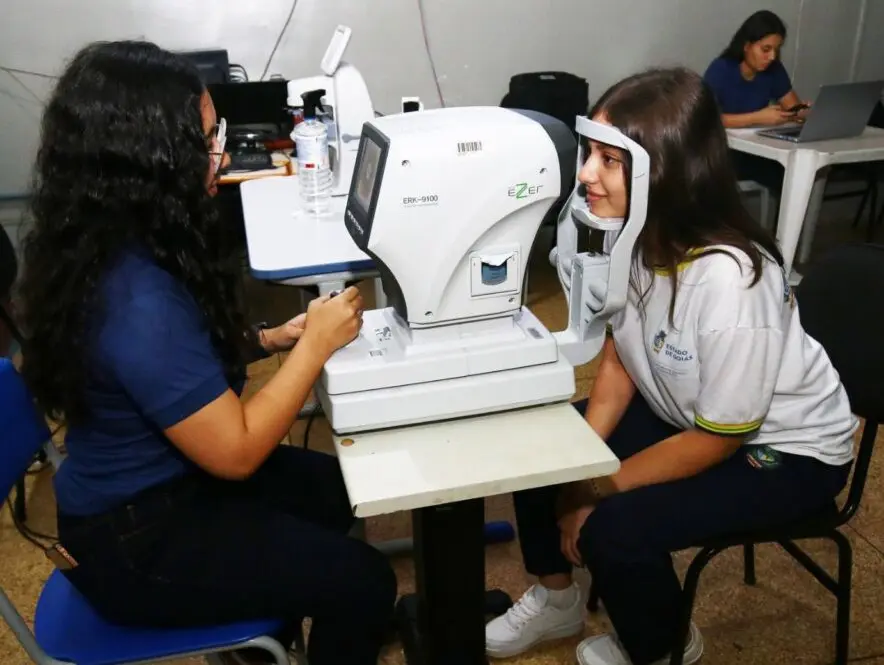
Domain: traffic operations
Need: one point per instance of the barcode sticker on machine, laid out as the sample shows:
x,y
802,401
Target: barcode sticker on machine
x,y
468,146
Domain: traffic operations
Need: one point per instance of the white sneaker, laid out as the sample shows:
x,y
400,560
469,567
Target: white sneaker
x,y
607,650
532,620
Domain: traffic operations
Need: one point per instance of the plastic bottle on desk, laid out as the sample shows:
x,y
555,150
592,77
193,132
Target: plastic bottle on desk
x,y
311,146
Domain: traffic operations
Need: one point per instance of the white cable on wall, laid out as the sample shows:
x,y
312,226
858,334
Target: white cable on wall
x,y
20,101
420,10
279,39
23,86
858,39
797,41
12,70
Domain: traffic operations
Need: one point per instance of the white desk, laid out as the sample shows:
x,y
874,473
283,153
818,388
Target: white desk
x,y
805,176
442,472
288,245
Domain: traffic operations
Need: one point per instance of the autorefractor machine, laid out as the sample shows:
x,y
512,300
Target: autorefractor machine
x,y
447,203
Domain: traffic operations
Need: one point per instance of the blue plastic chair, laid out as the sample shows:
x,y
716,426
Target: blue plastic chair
x,y
67,631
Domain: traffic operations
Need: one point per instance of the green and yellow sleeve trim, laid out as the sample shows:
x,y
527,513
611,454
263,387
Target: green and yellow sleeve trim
x,y
727,429
689,257
609,329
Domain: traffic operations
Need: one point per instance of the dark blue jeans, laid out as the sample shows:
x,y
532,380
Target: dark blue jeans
x,y
627,540
204,551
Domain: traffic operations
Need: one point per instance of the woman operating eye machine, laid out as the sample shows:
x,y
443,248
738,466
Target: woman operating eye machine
x,y
452,253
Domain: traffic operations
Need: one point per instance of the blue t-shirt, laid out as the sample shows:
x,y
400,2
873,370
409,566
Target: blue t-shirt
x,y
150,365
735,94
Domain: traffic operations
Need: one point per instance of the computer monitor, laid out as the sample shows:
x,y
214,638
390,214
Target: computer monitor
x,y
252,103
213,64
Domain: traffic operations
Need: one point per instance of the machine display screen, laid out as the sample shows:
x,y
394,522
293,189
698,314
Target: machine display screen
x,y
367,172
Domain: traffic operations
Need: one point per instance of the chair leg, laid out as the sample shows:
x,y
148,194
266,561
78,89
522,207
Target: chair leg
x,y
19,506
862,205
764,212
845,587
689,593
874,223
300,643
749,563
870,232
592,604
271,648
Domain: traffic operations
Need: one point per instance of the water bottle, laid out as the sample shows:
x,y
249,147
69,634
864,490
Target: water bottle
x,y
311,145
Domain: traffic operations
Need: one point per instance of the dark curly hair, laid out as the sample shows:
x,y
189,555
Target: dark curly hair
x,y
123,160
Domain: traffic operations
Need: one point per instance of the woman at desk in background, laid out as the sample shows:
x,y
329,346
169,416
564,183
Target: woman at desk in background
x,y
724,413
752,88
176,500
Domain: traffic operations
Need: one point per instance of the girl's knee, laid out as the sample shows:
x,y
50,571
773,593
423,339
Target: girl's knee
x,y
612,531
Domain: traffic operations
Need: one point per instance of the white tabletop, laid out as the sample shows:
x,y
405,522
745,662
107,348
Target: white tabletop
x,y
436,463
868,146
285,242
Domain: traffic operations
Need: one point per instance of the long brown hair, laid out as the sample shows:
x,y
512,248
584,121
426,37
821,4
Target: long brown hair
x,y
693,198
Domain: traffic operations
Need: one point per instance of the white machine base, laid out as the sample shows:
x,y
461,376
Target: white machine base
x,y
387,354
449,398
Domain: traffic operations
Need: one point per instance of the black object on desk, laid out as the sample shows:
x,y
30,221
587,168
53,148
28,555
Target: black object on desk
x,y
258,103
213,64
247,148
250,161
256,115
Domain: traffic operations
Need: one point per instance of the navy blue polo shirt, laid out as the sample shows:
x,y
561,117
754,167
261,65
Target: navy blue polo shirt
x,y
150,365
735,94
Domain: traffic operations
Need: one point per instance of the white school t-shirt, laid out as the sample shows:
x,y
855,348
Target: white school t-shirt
x,y
736,361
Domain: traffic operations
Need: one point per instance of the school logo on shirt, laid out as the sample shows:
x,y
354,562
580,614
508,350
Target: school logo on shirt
x,y
670,350
677,353
670,357
659,341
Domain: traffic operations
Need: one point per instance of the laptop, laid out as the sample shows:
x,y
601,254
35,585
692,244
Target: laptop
x,y
841,111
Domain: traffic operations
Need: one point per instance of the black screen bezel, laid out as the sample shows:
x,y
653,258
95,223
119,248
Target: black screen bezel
x,y
359,213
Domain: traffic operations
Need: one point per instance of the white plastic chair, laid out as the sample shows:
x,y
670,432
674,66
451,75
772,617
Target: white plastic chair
x,y
750,186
